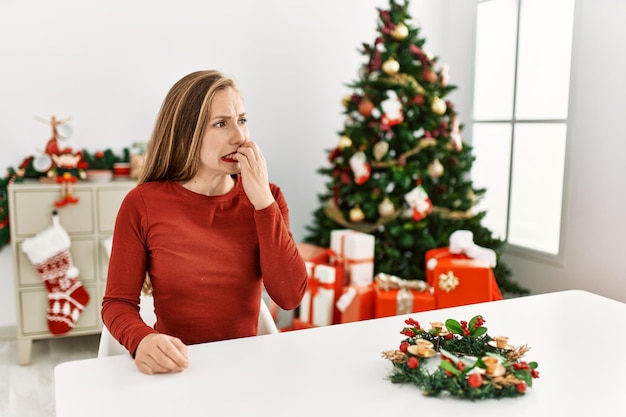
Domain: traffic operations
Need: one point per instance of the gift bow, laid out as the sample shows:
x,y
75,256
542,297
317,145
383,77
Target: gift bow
x,y
404,299
448,282
462,241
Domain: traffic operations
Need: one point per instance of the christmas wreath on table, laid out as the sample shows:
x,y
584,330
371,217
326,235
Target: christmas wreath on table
x,y
471,364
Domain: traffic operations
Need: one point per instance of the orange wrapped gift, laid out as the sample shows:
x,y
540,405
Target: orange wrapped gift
x,y
433,256
458,280
356,304
394,296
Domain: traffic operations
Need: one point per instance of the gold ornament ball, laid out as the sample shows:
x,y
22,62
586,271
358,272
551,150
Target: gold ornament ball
x,y
357,215
344,142
380,150
391,66
386,208
400,32
435,170
345,101
439,106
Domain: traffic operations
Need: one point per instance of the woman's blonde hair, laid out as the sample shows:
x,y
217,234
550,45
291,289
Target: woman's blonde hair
x,y
173,152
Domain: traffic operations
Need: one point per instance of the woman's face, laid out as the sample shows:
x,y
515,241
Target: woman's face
x,y
226,131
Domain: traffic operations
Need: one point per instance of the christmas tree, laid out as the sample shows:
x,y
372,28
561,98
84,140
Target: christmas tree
x,y
400,170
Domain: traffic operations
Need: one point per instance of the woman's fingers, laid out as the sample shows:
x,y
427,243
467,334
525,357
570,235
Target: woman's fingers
x,y
254,175
160,353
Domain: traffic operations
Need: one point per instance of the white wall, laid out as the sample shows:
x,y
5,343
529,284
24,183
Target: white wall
x,y
108,64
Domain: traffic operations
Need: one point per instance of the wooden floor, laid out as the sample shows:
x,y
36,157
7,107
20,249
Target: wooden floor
x,y
28,391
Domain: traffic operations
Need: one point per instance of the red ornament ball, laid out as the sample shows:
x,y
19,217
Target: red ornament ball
x,y
521,387
429,76
366,107
404,346
419,100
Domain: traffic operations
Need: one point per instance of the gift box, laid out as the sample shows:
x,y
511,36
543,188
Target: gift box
x,y
317,305
319,255
432,258
356,251
356,304
394,296
459,280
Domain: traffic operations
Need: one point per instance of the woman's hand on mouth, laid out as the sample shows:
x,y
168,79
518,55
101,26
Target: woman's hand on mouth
x,y
254,175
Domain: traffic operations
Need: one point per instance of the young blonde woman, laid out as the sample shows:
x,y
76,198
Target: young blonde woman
x,y
205,225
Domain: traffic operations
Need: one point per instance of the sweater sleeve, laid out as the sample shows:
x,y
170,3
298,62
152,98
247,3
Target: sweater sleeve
x,y
127,270
282,267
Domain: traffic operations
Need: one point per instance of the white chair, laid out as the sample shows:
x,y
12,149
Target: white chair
x,y
109,346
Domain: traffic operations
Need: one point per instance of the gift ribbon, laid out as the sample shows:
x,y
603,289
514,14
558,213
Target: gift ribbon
x,y
404,299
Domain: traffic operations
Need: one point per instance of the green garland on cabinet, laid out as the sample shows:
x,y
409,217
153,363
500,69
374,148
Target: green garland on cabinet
x,y
98,160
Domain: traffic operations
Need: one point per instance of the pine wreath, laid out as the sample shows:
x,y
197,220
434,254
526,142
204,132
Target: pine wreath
x,y
471,364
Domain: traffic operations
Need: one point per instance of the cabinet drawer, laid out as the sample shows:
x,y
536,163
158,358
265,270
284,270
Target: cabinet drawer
x,y
35,212
83,255
34,310
108,203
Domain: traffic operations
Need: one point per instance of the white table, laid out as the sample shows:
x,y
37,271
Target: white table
x,y
576,337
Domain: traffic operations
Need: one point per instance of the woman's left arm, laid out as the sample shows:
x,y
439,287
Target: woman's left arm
x,y
282,267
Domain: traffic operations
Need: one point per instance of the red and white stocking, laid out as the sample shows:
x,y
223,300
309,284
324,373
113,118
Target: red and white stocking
x,y
67,297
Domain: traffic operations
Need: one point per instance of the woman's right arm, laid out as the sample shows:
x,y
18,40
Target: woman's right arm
x,y
153,352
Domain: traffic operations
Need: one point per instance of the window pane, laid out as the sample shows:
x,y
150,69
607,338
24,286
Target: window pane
x,y
537,186
544,59
494,73
492,148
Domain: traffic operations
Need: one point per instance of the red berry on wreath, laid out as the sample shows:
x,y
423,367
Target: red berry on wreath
x,y
413,362
521,387
475,380
404,346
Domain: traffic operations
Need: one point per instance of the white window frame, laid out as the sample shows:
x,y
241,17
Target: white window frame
x,y
510,248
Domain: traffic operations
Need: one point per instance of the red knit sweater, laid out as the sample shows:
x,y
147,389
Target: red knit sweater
x,y
207,257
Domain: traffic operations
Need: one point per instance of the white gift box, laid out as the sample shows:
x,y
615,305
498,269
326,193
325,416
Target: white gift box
x,y
322,285
356,250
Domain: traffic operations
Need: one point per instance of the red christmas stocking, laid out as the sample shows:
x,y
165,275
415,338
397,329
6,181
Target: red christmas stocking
x,y
67,298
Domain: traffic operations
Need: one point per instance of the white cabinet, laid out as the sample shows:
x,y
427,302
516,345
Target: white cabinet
x,y
89,223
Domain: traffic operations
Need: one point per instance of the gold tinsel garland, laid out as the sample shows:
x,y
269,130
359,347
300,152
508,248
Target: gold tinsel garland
x,y
401,160
333,212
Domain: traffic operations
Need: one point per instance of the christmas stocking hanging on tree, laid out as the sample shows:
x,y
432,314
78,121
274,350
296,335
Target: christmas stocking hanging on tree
x,y
67,298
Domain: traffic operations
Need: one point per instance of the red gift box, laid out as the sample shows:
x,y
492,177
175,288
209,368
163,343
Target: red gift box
x,y
433,256
459,280
356,304
394,296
